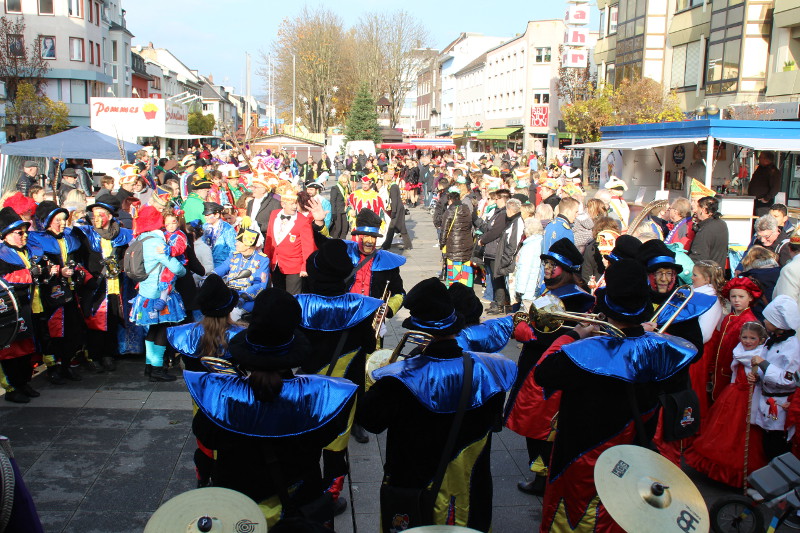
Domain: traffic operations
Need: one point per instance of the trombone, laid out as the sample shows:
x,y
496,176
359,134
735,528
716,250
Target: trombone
x,y
681,300
381,358
548,314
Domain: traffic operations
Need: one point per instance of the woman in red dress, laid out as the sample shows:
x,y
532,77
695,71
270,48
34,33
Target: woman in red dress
x,y
719,452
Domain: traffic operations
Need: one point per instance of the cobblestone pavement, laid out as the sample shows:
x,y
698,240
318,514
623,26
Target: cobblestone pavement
x,y
102,454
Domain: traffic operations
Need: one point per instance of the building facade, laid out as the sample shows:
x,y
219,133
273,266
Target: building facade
x,y
71,36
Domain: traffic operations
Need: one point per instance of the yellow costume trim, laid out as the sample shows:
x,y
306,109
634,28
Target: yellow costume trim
x,y
456,485
586,524
112,285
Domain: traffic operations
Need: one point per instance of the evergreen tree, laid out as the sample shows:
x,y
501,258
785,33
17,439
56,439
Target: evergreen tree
x,y
362,121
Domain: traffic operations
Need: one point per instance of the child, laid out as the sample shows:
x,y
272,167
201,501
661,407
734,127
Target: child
x,y
718,351
719,451
176,246
775,382
708,278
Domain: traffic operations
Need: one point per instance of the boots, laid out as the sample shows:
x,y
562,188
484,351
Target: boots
x,y
358,433
159,373
29,391
16,397
54,376
535,487
109,365
148,370
69,373
406,241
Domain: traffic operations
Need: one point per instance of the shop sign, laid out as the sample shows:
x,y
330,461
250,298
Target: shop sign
x,y
540,116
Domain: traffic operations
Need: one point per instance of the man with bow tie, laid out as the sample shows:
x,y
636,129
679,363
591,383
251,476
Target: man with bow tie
x,y
288,244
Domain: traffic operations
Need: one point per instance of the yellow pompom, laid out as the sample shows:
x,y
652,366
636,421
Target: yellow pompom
x,y
246,221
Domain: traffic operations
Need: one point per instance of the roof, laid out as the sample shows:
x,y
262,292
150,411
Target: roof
x,y
472,65
275,137
383,101
117,27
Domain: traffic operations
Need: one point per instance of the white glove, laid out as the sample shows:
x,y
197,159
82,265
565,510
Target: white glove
x,y
383,329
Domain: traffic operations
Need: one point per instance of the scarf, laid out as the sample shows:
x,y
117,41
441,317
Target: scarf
x,y
109,233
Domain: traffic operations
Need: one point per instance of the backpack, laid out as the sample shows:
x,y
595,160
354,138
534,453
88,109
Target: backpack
x,y
133,261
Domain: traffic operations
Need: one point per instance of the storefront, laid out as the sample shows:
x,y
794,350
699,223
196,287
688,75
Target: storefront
x,y
499,139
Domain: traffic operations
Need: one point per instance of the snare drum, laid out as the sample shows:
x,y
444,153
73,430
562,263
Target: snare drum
x,y
11,301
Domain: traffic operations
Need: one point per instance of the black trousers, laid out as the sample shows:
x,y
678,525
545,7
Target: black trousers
x,y
396,226
775,444
291,283
17,371
340,227
105,343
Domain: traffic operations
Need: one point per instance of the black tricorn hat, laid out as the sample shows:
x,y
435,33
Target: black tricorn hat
x,y
431,309
46,210
466,302
109,202
626,296
10,221
214,298
272,340
367,223
654,254
330,262
565,253
209,208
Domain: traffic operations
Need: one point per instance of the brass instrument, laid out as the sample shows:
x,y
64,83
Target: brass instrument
x,y
219,365
677,296
380,315
71,280
381,358
548,314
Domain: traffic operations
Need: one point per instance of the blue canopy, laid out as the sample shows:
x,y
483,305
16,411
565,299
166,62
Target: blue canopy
x,y
79,143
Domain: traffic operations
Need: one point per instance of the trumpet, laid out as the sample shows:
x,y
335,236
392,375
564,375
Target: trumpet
x,y
548,314
380,315
681,300
381,358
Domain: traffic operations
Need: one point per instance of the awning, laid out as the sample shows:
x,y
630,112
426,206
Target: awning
x,y
185,136
777,145
397,146
638,144
497,134
433,143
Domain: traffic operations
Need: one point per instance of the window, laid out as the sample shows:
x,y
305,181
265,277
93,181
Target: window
x,y
611,74
722,72
542,55
114,51
74,8
602,31
91,52
541,98
97,14
687,4
13,6
78,92
45,7
91,13
75,49
686,65
97,54
47,47
16,46
613,12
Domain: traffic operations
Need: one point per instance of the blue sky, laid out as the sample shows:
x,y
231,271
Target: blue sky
x,y
213,36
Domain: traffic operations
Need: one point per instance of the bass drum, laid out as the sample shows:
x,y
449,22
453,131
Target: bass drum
x,y
11,320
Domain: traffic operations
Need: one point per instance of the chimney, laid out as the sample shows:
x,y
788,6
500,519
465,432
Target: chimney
x,y
211,78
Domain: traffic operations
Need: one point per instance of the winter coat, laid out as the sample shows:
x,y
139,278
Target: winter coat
x,y
528,267
510,242
493,230
582,231
710,241
457,233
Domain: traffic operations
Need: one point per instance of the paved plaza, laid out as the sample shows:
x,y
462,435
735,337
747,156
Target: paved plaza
x,y
102,454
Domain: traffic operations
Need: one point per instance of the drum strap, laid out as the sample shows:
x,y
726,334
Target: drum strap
x,y
338,351
641,436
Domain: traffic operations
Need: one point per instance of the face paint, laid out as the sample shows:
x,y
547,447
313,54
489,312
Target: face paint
x,y
366,244
662,280
100,217
58,223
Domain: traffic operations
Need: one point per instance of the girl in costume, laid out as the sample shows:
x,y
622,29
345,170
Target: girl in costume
x,y
718,352
719,452
176,245
157,304
775,382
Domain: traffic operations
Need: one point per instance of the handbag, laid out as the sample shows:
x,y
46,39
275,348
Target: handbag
x,y
681,417
402,507
450,229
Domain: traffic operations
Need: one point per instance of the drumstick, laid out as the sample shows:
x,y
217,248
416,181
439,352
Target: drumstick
x,y
747,432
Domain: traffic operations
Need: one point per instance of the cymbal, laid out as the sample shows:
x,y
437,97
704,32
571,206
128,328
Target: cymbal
x,y
211,509
644,492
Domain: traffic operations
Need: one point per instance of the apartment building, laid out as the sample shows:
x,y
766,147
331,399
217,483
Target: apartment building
x,y
708,51
71,35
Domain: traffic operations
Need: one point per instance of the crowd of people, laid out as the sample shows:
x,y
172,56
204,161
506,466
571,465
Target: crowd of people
x,y
237,261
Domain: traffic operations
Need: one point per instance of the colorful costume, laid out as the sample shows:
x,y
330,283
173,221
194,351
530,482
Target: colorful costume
x,y
257,263
143,312
221,238
369,199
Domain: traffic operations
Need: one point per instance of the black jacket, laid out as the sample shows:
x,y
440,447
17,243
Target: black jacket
x,y
268,204
710,242
491,237
508,246
457,233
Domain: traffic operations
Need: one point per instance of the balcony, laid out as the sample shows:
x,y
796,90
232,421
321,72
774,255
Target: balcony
x,y
783,83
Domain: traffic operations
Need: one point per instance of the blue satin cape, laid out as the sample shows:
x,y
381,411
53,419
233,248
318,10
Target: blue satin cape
x,y
490,336
49,244
335,313
185,339
305,403
123,238
575,299
651,357
432,381
697,305
383,260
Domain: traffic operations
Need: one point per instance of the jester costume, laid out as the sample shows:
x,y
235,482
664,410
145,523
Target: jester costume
x,y
423,393
102,297
60,325
369,199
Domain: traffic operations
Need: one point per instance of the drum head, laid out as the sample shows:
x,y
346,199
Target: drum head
x,y
228,511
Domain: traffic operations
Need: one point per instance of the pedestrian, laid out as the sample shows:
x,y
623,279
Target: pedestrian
x,y
69,182
765,183
711,236
456,241
789,280
29,176
340,224
397,213
266,434
219,235
288,243
193,205
424,393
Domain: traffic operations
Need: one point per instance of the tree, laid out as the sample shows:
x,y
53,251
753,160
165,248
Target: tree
x,y
388,59
362,122
200,124
325,78
33,114
634,102
574,84
26,64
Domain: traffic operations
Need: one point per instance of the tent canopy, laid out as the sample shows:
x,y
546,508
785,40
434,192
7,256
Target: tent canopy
x,y
79,143
397,146
638,144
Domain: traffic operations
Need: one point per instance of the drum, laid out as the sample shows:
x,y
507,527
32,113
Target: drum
x,y
11,301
